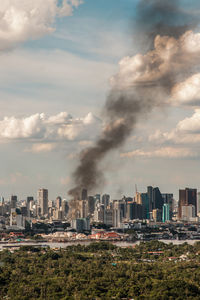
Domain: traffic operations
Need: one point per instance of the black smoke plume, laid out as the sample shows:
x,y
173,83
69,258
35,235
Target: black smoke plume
x,y
124,106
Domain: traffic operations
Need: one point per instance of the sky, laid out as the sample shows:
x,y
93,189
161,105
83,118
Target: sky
x,y
57,59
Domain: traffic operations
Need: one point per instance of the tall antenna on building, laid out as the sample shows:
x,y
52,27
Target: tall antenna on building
x,y
136,189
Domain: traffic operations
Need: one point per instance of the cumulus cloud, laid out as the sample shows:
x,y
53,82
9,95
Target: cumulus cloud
x,y
187,131
187,92
165,152
171,62
21,20
191,124
85,127
40,127
29,127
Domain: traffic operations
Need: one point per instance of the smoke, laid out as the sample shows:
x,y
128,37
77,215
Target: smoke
x,y
144,81
165,18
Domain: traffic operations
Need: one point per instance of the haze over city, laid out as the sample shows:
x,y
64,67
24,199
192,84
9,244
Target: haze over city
x,y
58,67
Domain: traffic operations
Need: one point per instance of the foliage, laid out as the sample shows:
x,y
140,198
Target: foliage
x,y
101,271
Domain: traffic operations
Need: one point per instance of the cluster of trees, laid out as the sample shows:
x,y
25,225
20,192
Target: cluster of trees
x,y
100,271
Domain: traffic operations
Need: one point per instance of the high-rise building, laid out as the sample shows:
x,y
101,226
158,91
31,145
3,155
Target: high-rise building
x,y
29,204
16,219
129,211
105,200
145,205
91,205
138,198
165,213
169,199
157,215
43,201
187,197
119,212
108,217
58,202
157,199
198,204
13,202
187,212
99,213
83,208
65,207
150,196
83,194
1,200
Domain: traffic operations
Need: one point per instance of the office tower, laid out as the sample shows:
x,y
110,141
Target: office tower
x,y
65,207
105,200
13,202
81,224
97,197
91,205
157,199
169,199
83,208
198,204
83,194
43,201
119,212
186,197
138,198
1,200
129,211
145,205
157,215
150,196
58,202
165,213
99,213
187,212
29,204
16,218
108,217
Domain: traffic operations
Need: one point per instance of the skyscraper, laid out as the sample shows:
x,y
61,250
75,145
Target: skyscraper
x,y
13,202
157,199
43,201
58,202
150,197
165,213
83,194
105,200
187,197
145,205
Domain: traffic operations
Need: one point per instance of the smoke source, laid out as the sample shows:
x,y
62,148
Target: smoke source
x,y
143,82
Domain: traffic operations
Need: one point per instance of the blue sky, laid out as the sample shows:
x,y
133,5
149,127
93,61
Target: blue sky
x,y
69,70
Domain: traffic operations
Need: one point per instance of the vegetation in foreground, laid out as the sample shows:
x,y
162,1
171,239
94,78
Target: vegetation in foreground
x,y
151,270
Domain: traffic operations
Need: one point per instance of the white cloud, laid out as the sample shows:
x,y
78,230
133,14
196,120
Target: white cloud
x,y
187,92
170,62
165,152
21,20
191,124
40,147
40,127
29,127
187,131
89,126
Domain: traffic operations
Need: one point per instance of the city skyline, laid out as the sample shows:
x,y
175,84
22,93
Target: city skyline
x,y
56,72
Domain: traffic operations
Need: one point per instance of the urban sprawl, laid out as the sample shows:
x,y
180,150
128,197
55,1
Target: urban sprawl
x,y
146,216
